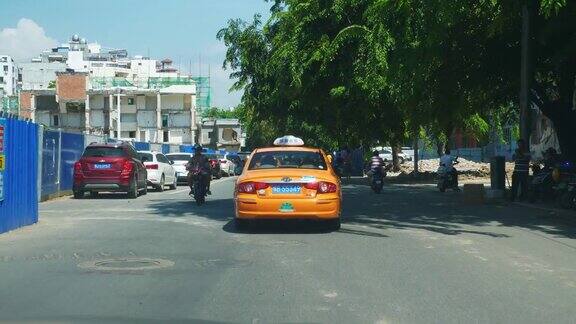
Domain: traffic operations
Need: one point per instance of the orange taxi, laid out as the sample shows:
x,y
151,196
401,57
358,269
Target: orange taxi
x,y
288,181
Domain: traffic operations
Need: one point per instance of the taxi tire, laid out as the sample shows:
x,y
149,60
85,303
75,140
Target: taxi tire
x,y
334,224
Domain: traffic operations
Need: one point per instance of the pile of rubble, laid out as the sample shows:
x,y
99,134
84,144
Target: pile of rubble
x,y
466,168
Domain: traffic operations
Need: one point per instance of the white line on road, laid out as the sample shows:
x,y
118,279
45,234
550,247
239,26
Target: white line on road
x,y
177,191
187,189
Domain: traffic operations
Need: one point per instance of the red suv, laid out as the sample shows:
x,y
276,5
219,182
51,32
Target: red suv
x,y
109,167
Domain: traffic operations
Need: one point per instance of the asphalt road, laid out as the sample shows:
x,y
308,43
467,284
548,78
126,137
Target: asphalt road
x,y
409,255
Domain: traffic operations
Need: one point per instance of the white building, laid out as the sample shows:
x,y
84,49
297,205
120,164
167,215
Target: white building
x,y
161,112
107,92
8,76
39,75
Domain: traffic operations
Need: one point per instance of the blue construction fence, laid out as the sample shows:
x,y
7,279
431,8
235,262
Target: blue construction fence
x,y
18,172
60,150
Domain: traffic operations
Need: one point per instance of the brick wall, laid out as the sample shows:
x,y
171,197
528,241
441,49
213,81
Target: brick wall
x,y
25,104
71,86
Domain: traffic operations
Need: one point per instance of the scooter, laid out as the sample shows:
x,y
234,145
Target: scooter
x,y
567,193
377,180
199,186
447,178
542,184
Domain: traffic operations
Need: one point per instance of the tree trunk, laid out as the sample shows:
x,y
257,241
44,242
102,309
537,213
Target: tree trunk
x,y
440,147
395,160
415,157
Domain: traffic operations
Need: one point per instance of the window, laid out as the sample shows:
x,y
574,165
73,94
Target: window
x,y
56,120
145,157
115,134
161,158
103,151
164,120
130,101
166,136
128,118
140,63
287,160
5,68
1,79
132,134
178,157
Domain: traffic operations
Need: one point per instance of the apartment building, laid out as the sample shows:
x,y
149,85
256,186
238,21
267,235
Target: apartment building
x,y
8,76
162,111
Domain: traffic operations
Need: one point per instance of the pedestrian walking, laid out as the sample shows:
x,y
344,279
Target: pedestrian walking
x,y
520,174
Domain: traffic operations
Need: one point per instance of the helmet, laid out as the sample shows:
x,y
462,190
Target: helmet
x,y
197,148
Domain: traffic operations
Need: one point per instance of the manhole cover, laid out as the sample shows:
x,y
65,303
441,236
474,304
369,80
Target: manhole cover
x,y
126,264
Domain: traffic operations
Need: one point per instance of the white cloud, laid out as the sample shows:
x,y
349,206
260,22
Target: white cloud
x,y
25,41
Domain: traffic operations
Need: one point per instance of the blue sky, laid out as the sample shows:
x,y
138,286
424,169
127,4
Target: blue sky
x,y
179,29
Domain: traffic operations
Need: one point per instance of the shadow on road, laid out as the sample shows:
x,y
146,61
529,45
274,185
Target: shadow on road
x,y
223,210
420,207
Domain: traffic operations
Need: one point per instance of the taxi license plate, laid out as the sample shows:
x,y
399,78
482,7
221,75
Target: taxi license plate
x,y
102,166
295,189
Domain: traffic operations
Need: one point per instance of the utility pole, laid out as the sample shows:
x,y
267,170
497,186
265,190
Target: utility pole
x,y
526,72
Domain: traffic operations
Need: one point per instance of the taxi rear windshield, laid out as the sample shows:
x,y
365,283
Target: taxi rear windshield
x,y
287,160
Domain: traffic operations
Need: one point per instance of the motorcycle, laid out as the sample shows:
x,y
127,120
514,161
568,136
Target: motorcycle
x,y
377,180
447,178
542,184
198,177
567,193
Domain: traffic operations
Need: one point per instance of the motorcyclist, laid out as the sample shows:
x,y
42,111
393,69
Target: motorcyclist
x,y
376,164
199,161
447,163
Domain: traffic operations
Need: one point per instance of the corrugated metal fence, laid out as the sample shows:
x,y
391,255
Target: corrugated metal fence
x,y
19,203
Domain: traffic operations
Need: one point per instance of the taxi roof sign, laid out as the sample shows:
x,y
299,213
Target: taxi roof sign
x,y
288,140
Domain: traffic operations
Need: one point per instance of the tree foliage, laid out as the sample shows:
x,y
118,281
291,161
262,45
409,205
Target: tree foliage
x,y
349,72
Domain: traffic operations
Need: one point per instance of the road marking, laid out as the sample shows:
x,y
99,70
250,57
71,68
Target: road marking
x,y
177,191
111,210
188,189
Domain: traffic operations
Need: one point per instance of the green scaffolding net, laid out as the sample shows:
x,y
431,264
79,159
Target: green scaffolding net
x,y
101,83
203,92
10,104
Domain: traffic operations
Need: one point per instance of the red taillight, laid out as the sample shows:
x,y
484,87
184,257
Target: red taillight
x,y
322,187
251,187
152,166
78,167
127,167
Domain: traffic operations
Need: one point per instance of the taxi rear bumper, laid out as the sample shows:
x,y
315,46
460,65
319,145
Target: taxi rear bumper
x,y
251,207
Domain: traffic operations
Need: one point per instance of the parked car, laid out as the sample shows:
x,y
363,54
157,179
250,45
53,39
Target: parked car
x,y
386,154
160,170
243,155
180,160
409,152
215,164
110,168
229,163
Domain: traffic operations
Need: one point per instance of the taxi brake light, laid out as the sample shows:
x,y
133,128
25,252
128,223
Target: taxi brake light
x,y
251,187
321,187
